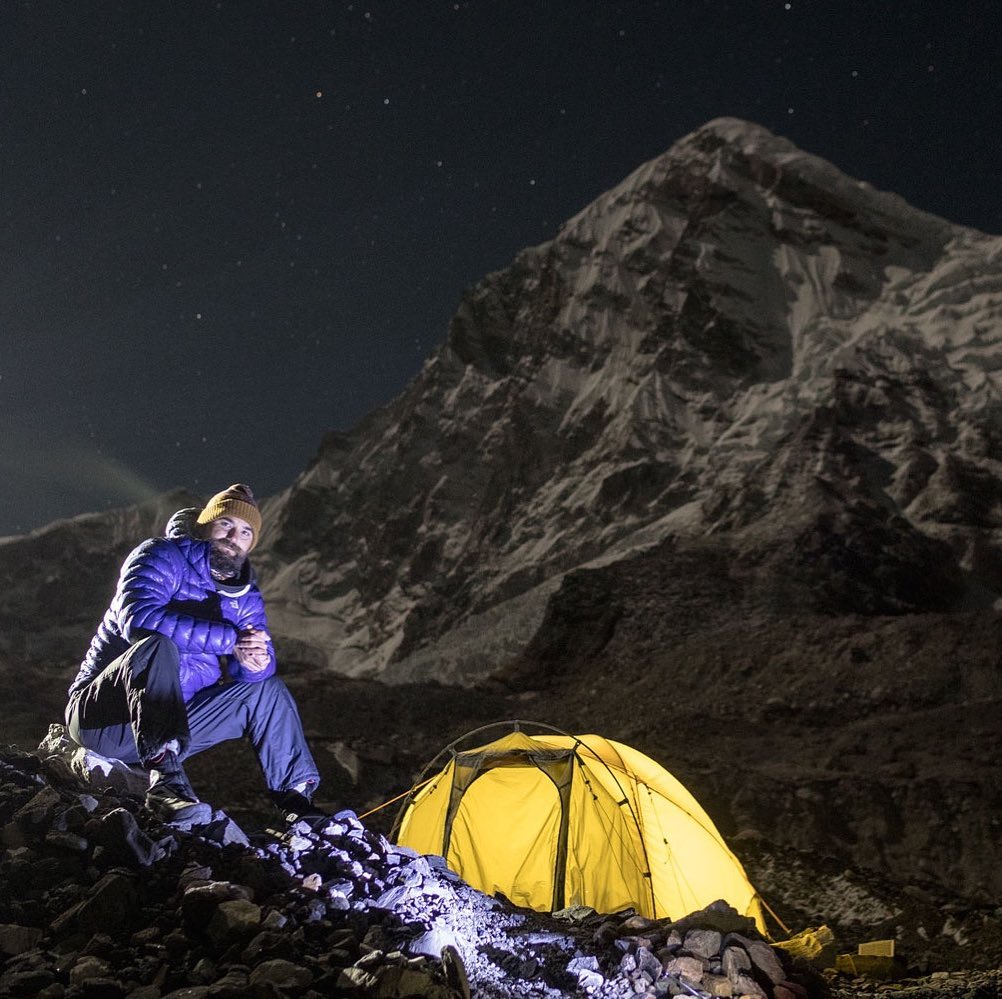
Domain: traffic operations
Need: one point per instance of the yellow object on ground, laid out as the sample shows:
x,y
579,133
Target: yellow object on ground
x,y
869,966
551,821
816,946
876,948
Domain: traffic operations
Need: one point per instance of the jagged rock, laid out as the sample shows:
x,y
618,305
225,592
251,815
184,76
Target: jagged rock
x,y
223,830
67,841
689,969
411,979
17,939
763,957
746,986
268,944
718,985
110,906
26,983
40,810
702,943
789,990
232,985
455,971
205,971
200,901
357,981
282,974
735,961
125,842
233,920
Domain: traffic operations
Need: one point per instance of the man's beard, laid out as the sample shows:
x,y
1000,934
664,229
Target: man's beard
x,y
225,562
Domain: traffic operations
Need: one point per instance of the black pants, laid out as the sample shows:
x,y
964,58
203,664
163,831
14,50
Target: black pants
x,y
134,707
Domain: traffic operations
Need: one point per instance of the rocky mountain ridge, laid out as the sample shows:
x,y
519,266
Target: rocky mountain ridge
x,y
736,341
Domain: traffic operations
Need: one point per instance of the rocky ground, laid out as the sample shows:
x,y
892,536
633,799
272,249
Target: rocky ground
x,y
758,778
102,900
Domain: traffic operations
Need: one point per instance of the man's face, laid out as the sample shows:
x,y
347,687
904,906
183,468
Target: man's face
x,y
231,539
232,535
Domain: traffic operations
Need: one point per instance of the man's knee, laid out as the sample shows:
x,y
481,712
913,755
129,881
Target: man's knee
x,y
156,646
274,689
152,653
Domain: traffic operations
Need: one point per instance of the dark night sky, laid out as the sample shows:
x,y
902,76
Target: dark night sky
x,y
228,227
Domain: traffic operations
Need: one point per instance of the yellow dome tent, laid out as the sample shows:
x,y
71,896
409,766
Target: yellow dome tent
x,y
553,820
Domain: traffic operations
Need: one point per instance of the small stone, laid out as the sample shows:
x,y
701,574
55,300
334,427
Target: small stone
x,y
54,991
274,920
717,985
88,968
205,971
745,986
67,841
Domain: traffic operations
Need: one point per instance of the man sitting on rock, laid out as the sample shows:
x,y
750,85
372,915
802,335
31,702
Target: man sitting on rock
x,y
183,660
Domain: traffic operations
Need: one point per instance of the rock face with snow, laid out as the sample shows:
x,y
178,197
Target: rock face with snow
x,y
737,342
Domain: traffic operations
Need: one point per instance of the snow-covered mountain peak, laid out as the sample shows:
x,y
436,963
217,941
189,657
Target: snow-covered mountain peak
x,y
692,353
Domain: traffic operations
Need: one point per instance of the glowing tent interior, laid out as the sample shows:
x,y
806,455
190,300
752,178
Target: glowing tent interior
x,y
552,820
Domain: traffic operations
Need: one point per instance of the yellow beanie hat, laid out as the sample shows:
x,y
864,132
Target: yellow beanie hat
x,y
237,501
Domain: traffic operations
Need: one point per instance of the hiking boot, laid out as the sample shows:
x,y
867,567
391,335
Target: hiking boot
x,y
296,805
170,796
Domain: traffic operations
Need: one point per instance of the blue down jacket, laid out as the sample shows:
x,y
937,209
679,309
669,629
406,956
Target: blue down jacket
x,y
165,586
